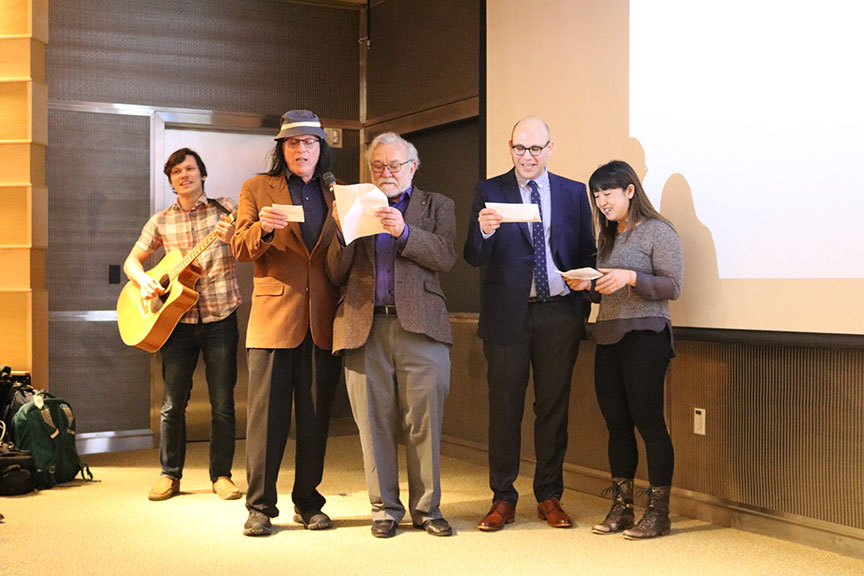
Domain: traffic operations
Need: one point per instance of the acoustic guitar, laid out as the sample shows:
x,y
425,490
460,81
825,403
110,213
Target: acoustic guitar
x,y
147,324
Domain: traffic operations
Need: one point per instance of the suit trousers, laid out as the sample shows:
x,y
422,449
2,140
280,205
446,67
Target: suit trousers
x,y
397,383
547,345
308,375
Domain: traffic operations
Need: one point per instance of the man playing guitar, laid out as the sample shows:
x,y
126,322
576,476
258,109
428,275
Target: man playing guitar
x,y
209,327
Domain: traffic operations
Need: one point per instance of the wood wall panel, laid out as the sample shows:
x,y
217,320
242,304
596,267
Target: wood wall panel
x,y
23,137
784,424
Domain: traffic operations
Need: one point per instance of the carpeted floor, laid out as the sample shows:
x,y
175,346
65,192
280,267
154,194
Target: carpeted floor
x,y
110,528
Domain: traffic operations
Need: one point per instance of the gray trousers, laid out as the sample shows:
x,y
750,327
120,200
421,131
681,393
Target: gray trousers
x,y
397,383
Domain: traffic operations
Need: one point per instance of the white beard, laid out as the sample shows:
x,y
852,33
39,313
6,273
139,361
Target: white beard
x,y
391,192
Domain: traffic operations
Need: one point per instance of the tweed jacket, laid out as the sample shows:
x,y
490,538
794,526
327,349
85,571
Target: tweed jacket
x,y
292,292
420,302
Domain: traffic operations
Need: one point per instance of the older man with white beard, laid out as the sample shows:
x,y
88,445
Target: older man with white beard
x,y
393,331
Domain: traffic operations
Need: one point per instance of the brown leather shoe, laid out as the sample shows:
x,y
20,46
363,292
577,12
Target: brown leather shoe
x,y
500,514
164,488
551,511
225,488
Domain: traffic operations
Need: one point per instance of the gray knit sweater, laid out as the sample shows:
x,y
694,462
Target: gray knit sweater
x,y
653,250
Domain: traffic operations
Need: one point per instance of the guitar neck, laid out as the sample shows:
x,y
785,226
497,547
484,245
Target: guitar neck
x,y
195,252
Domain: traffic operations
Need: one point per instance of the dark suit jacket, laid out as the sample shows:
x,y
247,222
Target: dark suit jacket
x,y
420,304
292,292
506,259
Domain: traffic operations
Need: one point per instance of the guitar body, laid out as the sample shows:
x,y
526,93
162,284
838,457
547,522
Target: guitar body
x,y
147,324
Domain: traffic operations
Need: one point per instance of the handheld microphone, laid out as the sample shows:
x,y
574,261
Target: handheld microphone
x,y
329,179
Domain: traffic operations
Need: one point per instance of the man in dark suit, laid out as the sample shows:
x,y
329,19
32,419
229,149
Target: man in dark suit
x,y
393,330
529,319
290,331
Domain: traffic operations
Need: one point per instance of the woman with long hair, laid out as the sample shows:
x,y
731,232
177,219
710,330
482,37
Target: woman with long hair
x,y
640,257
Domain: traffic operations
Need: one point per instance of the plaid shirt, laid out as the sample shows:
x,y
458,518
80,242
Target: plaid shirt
x,y
177,229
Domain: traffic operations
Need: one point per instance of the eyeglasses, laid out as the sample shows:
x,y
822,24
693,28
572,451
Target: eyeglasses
x,y
519,149
307,142
394,167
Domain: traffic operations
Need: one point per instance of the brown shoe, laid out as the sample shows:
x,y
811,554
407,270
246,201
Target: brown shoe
x,y
164,488
500,514
551,511
225,488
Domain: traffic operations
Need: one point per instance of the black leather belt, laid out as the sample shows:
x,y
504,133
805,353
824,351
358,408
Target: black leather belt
x,y
558,298
386,310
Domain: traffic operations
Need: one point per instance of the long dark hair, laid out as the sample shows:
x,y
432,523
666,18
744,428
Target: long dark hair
x,y
619,174
278,165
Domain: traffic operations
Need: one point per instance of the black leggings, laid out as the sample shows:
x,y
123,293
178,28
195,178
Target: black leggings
x,y
628,379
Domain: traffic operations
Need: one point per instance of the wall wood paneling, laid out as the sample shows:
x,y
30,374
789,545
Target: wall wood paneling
x,y
260,57
111,70
783,451
422,54
448,165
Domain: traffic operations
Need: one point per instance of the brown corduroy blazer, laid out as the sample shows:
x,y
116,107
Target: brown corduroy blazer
x,y
420,303
291,289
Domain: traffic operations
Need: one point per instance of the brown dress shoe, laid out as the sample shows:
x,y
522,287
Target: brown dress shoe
x,y
164,488
225,488
500,514
551,511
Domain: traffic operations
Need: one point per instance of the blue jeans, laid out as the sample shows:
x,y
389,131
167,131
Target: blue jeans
x,y
218,343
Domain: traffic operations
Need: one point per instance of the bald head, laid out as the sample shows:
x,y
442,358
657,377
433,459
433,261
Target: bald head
x,y
530,147
533,123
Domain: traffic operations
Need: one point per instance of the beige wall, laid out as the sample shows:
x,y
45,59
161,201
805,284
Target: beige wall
x,y
566,62
23,196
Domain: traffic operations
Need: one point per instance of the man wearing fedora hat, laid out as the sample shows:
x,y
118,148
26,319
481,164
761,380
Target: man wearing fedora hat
x,y
290,332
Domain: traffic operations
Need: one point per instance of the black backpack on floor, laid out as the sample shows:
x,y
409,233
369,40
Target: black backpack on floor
x,y
15,392
17,469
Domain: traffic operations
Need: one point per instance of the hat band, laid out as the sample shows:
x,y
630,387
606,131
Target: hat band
x,y
298,124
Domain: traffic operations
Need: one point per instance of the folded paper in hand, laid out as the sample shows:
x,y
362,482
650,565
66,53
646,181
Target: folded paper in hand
x,y
294,213
357,205
516,212
581,274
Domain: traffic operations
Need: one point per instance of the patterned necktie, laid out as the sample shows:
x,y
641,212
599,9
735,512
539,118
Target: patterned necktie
x,y
541,279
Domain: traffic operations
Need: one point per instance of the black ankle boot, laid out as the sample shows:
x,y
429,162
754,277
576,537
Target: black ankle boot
x,y
620,516
656,521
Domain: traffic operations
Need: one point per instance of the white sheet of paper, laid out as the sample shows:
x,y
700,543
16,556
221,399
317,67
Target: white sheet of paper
x,y
357,204
511,212
294,213
581,274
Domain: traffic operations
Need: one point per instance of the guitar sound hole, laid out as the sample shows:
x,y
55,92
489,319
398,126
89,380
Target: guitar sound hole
x,y
156,304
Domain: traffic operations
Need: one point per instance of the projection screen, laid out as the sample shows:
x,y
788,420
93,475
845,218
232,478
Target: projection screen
x,y
744,119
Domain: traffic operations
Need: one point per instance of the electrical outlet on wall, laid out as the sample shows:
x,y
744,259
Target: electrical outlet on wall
x,y
699,421
334,137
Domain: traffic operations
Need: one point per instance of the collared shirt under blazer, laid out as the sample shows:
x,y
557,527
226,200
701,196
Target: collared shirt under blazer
x,y
292,292
506,259
420,303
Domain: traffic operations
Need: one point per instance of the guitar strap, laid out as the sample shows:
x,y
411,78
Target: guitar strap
x,y
218,206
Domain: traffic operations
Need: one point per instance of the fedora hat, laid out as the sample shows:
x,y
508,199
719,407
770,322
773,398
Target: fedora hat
x,y
299,122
